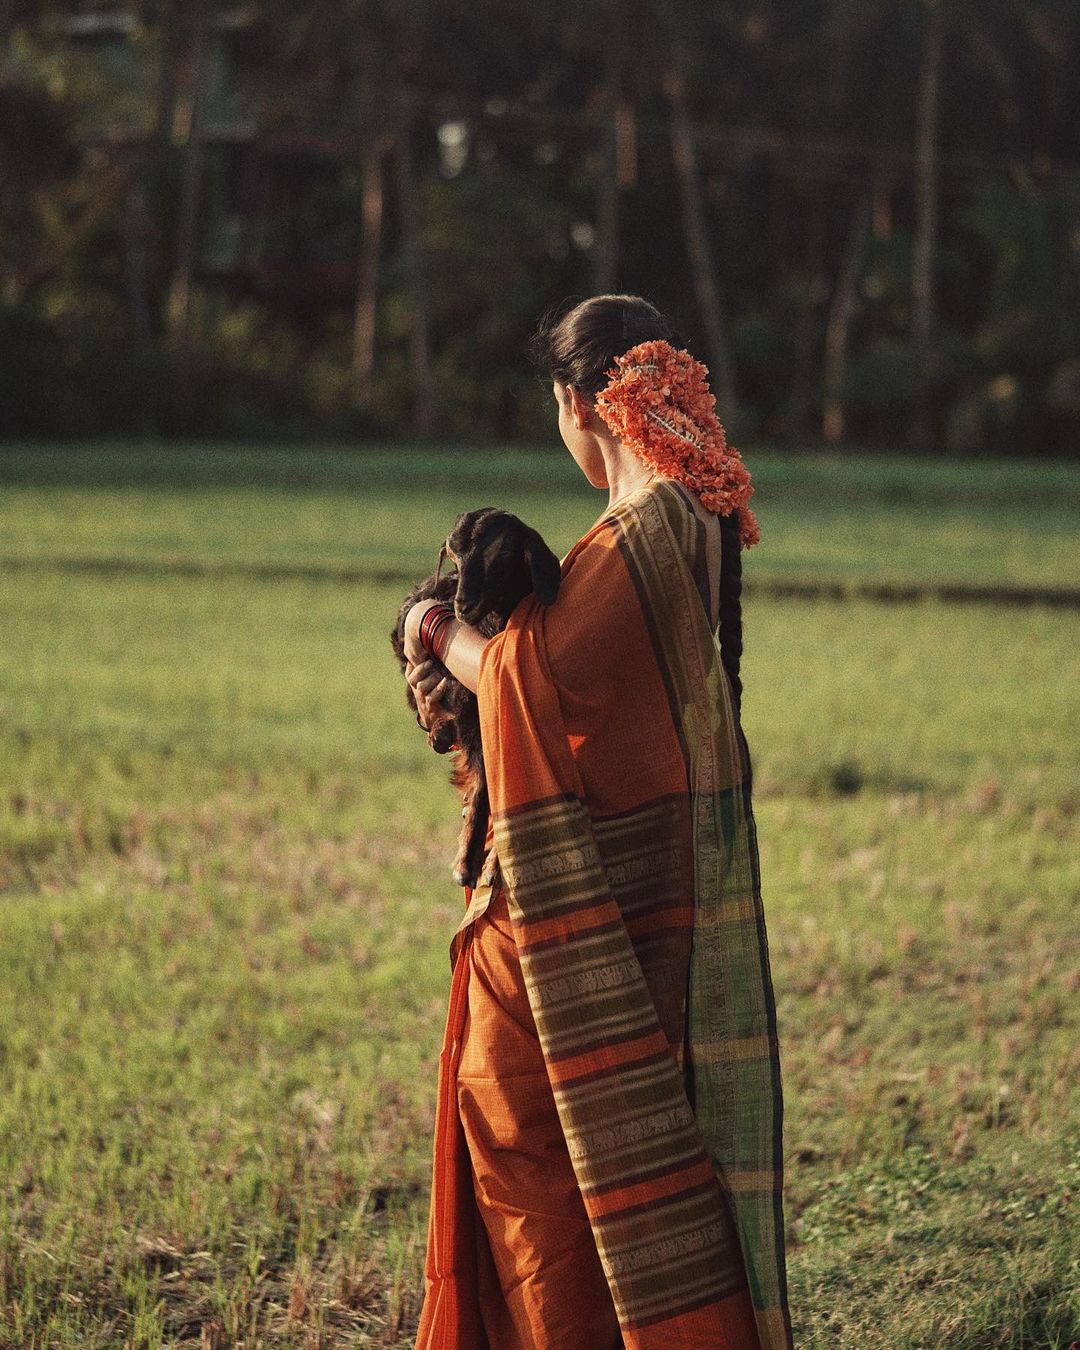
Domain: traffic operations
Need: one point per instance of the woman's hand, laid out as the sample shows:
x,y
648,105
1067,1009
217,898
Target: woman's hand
x,y
425,675
414,652
428,685
459,651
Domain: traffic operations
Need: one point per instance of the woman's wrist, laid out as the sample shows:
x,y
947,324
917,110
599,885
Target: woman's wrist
x,y
415,618
459,641
435,630
429,627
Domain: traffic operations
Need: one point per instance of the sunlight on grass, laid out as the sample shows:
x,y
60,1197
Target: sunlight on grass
x,y
224,876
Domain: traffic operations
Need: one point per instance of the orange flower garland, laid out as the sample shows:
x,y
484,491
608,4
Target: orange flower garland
x,y
658,403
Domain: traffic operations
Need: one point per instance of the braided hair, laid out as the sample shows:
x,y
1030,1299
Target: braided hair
x,y
730,608
576,344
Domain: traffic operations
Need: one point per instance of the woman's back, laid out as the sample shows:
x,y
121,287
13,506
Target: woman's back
x,y
620,792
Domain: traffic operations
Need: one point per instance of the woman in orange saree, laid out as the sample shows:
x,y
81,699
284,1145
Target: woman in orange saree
x,y
608,1153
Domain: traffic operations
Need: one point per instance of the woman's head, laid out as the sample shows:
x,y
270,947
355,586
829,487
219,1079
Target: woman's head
x,y
577,343
576,346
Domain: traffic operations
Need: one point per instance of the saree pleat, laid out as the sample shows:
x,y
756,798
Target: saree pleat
x,y
551,1292
627,881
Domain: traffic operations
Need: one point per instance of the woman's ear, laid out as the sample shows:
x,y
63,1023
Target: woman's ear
x,y
472,574
580,410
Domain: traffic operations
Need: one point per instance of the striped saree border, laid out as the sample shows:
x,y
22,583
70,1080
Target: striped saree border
x,y
629,1129
732,1052
674,1145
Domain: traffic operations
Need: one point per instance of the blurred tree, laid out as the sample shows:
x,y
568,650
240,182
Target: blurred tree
x,y
191,114
683,30
924,252
609,179
36,161
376,49
841,311
862,213
698,248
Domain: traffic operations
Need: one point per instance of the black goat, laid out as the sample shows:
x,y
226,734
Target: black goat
x,y
499,561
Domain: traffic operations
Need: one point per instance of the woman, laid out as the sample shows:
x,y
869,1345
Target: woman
x,y
608,1134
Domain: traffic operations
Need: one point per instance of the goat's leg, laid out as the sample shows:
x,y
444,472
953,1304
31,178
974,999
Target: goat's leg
x,y
475,849
475,813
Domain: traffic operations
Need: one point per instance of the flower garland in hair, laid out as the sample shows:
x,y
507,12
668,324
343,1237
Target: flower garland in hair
x,y
658,403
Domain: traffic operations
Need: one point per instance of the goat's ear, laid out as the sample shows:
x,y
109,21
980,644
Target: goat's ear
x,y
472,573
543,567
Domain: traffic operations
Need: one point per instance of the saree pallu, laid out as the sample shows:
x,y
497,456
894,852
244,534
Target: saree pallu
x,y
627,863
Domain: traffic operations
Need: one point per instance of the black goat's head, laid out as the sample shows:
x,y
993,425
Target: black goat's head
x,y
500,560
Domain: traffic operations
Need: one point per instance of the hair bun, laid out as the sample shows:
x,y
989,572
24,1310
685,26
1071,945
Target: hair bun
x,y
658,403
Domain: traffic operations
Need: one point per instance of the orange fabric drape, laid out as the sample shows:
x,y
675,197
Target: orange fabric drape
x,y
607,1139
512,1262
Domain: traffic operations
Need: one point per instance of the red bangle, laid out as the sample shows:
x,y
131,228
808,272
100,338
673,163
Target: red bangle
x,y
439,635
434,621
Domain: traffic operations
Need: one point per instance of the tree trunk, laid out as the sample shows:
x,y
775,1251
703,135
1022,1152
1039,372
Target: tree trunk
x,y
156,167
135,280
924,250
684,153
187,234
367,282
165,92
625,145
423,377
7,21
841,313
607,188
807,324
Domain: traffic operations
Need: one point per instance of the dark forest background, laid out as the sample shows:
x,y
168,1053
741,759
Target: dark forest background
x,y
343,217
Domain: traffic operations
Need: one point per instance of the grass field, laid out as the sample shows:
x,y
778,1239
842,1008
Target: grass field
x,y
224,881
373,513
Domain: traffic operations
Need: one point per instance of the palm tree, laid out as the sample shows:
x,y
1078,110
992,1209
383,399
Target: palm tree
x,y
412,249
607,195
179,304
924,250
379,41
841,312
686,158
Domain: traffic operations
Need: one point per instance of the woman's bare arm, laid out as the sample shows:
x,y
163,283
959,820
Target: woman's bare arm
x,y
461,657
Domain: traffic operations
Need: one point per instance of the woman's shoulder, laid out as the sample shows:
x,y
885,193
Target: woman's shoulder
x,y
664,505
665,491
599,570
662,528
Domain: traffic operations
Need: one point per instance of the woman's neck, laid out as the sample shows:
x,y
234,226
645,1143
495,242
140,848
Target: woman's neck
x,y
625,472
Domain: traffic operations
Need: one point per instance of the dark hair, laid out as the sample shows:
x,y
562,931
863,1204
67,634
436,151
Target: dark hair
x,y
730,604
576,343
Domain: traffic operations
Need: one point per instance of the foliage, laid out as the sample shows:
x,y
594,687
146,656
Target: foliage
x,y
799,112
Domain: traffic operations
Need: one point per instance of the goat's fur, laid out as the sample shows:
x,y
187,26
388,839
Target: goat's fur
x,y
499,561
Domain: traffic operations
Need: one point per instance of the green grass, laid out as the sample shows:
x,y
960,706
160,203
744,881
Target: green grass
x,y
224,886
382,511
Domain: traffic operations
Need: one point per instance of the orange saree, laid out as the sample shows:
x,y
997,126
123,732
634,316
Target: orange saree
x,y
608,1136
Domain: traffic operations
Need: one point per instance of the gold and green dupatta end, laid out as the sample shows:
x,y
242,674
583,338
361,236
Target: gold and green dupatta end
x,y
620,791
